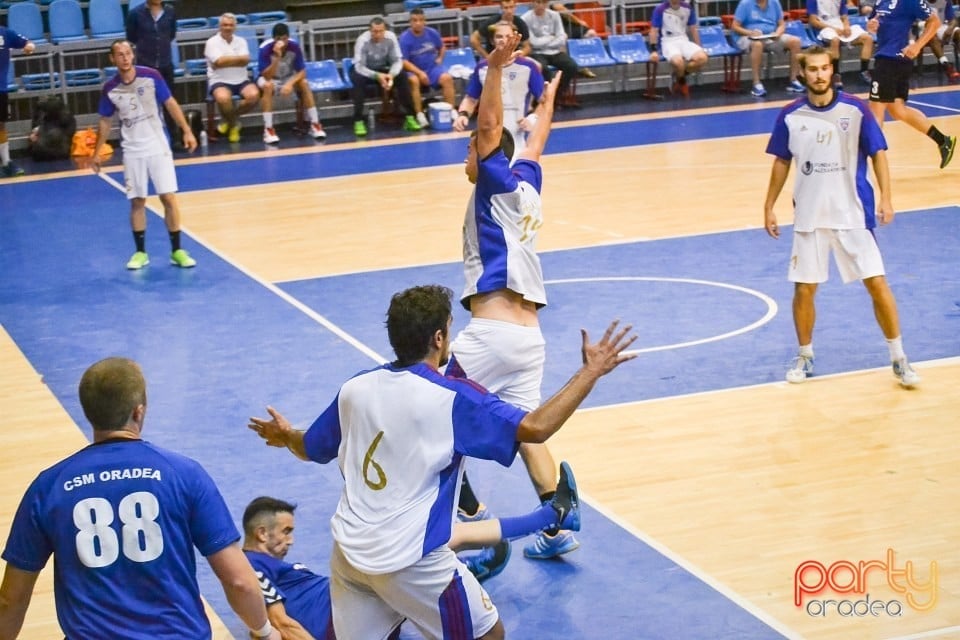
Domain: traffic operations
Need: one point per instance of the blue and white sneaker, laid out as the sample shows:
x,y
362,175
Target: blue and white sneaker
x,y
758,91
566,501
481,514
905,374
489,562
801,369
546,546
796,87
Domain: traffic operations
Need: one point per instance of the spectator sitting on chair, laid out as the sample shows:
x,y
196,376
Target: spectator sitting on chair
x,y
576,29
151,28
548,44
947,32
227,59
423,50
760,27
283,71
832,26
672,21
377,60
482,39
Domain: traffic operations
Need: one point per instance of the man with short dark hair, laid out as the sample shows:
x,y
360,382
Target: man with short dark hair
x,y
423,50
122,518
282,72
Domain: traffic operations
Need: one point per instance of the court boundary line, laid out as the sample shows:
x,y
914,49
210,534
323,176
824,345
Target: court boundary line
x,y
933,633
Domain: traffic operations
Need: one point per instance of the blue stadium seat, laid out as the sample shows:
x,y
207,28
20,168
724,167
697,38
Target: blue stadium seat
x,y
628,49
462,57
709,21
410,5
12,85
25,19
802,31
178,70
345,66
324,76
589,52
82,77
106,19
249,34
196,67
192,24
265,17
40,81
714,42
66,21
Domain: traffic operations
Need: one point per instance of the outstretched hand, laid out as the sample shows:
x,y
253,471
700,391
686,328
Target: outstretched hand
x,y
608,353
550,89
274,431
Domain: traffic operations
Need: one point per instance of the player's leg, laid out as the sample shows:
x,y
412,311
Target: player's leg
x,y
756,59
401,91
7,168
358,96
416,97
164,177
448,88
135,178
223,96
267,87
809,264
865,42
791,45
310,108
359,612
249,97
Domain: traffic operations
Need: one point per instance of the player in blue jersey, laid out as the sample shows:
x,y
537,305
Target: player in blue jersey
x,y
122,518
137,95
9,39
400,434
298,600
892,21
830,135
423,50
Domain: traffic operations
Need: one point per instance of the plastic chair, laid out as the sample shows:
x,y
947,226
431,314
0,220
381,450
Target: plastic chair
x,y
264,17
249,34
802,31
410,5
106,19
589,52
25,19
714,42
345,66
178,70
66,21
631,49
192,24
459,63
82,77
324,76
40,81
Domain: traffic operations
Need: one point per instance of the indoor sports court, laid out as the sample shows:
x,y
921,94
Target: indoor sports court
x,y
717,495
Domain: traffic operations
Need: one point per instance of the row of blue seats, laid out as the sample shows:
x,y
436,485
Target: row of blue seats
x,y
106,20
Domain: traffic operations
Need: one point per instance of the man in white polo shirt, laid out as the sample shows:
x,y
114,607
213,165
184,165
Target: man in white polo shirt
x,y
227,59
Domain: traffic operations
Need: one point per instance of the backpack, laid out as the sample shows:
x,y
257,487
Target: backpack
x,y
84,142
53,129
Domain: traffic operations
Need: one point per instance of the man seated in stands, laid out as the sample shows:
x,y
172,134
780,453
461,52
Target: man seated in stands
x,y
227,59
548,44
674,29
283,71
947,33
760,27
423,50
482,39
832,25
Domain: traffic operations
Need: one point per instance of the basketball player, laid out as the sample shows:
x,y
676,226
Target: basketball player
x,y
122,518
399,433
892,21
831,134
136,94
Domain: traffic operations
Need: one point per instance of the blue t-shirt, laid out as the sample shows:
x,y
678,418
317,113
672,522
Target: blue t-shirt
x,y
305,595
421,50
750,16
9,39
122,518
896,20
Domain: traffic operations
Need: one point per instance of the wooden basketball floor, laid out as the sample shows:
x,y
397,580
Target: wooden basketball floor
x,y
738,486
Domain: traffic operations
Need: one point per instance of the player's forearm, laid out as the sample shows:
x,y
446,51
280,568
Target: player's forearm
x,y
173,108
929,30
881,169
778,177
543,422
103,132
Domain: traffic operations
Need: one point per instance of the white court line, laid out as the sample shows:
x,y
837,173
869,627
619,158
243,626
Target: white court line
x,y
933,633
343,335
933,106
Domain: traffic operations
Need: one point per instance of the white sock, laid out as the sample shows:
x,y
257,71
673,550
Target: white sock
x,y
944,61
806,350
4,153
896,348
268,119
312,115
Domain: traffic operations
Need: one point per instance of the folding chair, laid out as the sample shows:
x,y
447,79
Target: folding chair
x,y
631,49
106,19
66,21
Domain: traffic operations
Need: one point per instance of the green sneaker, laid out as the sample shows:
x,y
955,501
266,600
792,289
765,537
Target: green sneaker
x,y
223,128
410,124
182,259
138,260
11,170
234,135
359,129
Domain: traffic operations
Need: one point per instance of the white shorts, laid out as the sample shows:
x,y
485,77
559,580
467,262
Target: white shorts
x,y
505,358
832,32
138,172
277,83
683,47
434,595
855,251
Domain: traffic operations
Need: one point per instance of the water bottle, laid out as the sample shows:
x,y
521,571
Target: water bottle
x,y
204,140
371,119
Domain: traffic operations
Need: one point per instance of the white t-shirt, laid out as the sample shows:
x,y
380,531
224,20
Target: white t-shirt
x,y
216,48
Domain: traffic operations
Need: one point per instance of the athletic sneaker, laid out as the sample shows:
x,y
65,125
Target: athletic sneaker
x,y
566,501
489,562
223,128
182,259
905,373
952,74
410,124
234,135
422,120
796,87
10,170
270,135
481,514
316,131
946,150
138,261
801,369
758,91
546,546
359,129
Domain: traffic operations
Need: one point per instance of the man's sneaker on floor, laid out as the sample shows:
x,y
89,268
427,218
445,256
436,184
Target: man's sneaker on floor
x,y
758,91
270,135
410,124
481,514
801,369
316,131
138,260
10,170
796,87
946,150
223,128
952,74
546,546
489,562
867,77
422,120
565,501
234,135
182,259
905,374
359,129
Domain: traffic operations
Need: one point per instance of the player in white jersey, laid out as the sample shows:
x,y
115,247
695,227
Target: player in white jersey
x,y
674,27
830,135
400,433
522,88
136,95
829,18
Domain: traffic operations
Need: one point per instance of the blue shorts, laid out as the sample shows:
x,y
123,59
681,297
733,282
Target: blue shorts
x,y
433,75
235,89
